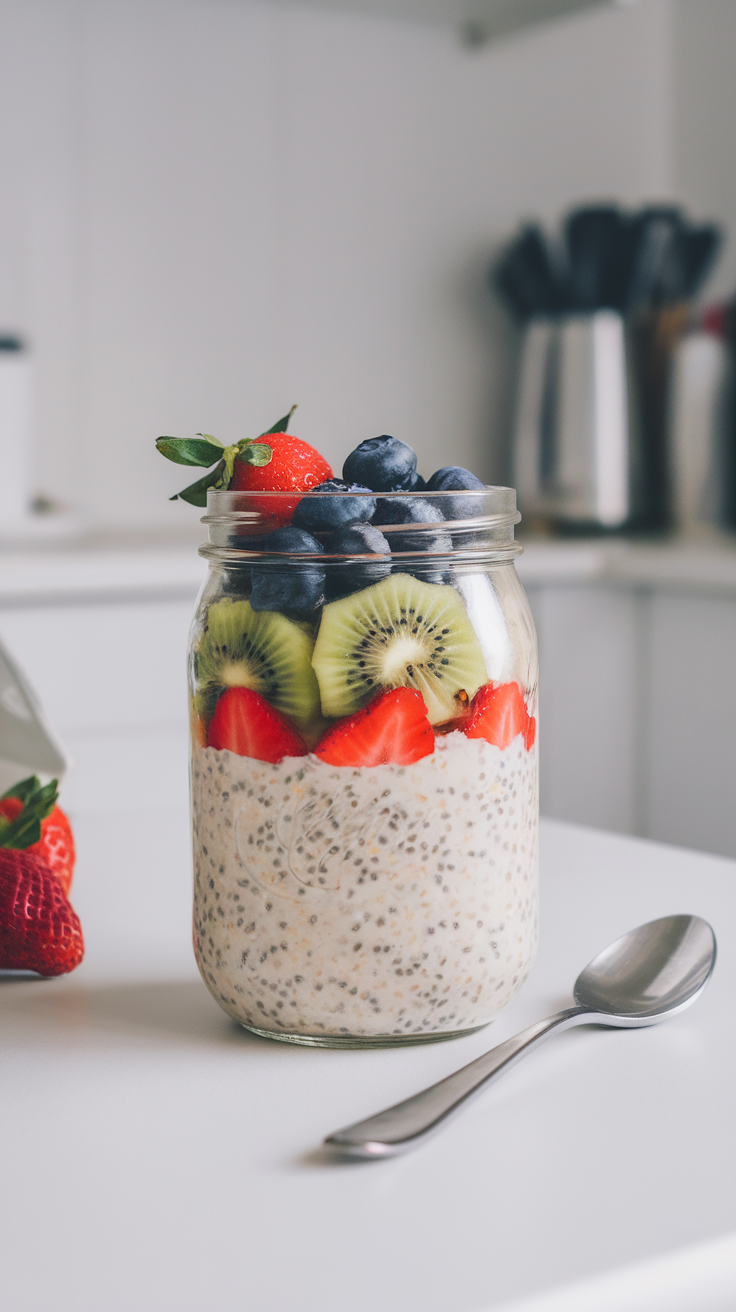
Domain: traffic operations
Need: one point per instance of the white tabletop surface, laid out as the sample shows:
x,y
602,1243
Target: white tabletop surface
x,y
155,1156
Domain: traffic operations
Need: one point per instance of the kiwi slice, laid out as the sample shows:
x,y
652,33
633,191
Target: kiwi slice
x,y
400,632
261,650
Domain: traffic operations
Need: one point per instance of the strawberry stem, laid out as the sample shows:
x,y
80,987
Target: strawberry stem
x,y
38,801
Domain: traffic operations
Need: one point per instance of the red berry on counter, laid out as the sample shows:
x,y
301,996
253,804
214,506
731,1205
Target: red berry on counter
x,y
499,714
392,730
39,929
56,844
294,466
244,723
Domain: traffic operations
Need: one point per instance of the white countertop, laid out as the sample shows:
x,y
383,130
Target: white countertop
x,y
156,1156
104,569
702,565
101,573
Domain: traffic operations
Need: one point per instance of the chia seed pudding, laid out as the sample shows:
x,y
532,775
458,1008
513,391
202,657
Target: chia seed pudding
x,y
382,903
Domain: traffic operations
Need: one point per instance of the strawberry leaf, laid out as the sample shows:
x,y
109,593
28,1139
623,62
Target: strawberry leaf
x,y
38,801
199,450
256,453
196,493
24,789
279,427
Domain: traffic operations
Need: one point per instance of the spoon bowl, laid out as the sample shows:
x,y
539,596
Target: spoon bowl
x,y
653,971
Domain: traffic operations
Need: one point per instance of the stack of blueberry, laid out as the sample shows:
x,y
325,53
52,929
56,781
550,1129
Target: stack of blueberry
x,y
351,526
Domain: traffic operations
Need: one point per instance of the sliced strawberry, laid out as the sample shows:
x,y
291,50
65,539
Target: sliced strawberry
x,y
294,466
392,730
499,715
244,723
25,804
39,929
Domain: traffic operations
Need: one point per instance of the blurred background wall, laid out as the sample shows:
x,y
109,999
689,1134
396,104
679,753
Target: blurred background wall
x,y
212,208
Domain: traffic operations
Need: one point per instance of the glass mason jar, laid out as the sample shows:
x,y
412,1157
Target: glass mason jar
x,y
364,773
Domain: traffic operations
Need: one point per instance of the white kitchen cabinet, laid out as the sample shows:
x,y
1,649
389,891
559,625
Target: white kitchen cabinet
x,y
112,680
106,665
588,651
689,752
102,639
637,691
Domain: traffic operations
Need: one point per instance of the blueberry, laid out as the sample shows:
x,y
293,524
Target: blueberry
x,y
290,539
296,589
236,579
421,540
236,582
406,510
331,512
414,510
417,484
383,463
453,478
357,540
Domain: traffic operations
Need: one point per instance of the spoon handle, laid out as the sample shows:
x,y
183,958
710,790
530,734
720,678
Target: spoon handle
x,y
402,1126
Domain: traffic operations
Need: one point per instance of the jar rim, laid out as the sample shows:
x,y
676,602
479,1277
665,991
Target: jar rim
x,y
506,496
481,538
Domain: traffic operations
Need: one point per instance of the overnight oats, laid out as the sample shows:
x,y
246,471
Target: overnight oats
x,y
364,759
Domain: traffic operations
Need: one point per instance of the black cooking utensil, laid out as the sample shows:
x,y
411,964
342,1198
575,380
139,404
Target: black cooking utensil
x,y
596,240
655,273
700,252
524,275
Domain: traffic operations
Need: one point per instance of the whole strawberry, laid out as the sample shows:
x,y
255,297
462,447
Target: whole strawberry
x,y
30,819
39,929
295,466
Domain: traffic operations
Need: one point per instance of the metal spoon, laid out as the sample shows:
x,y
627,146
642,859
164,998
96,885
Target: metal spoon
x,y
651,973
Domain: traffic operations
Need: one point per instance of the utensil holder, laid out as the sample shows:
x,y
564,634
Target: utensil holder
x,y
572,432
591,443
